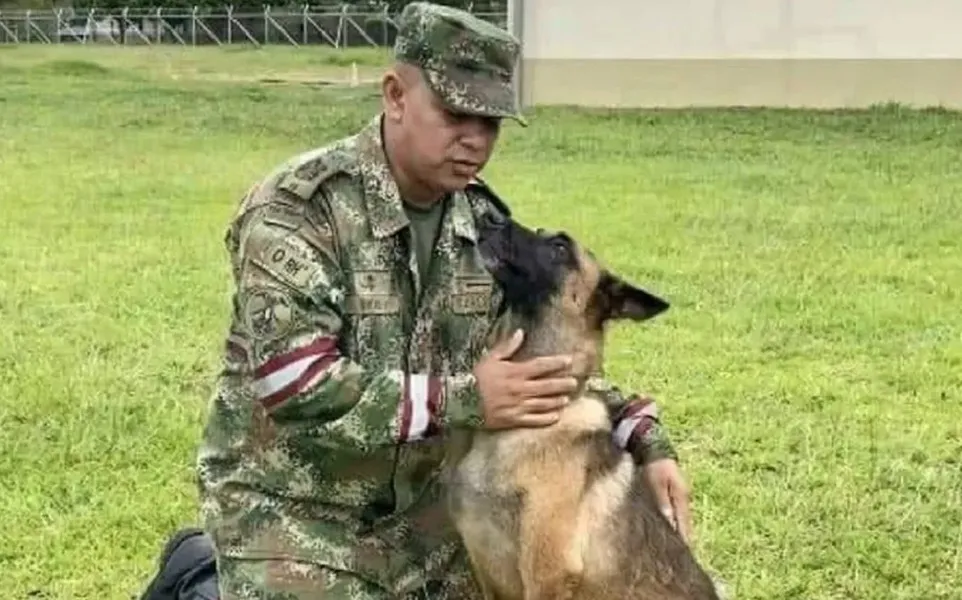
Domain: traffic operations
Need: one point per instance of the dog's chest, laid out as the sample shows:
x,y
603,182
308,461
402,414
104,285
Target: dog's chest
x,y
481,486
486,504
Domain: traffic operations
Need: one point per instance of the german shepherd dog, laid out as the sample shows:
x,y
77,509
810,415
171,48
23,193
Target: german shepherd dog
x,y
561,512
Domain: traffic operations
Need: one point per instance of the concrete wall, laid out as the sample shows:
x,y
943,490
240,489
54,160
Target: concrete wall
x,y
816,53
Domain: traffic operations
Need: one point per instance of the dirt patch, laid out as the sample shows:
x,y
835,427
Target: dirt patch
x,y
323,78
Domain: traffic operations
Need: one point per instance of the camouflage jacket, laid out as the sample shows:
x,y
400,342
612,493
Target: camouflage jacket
x,y
341,368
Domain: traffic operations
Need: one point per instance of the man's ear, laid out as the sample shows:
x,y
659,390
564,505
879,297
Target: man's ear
x,y
623,300
392,95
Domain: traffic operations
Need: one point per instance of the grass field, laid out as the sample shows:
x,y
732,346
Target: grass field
x,y
810,370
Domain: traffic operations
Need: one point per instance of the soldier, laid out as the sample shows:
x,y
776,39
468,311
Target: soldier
x,y
359,318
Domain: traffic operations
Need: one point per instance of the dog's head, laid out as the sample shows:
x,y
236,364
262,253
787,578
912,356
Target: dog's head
x,y
550,279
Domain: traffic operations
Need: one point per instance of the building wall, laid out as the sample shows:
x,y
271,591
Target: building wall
x,y
814,53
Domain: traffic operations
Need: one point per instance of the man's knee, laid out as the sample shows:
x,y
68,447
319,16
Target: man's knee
x,y
276,579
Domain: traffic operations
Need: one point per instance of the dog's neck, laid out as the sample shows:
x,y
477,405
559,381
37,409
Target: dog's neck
x,y
545,334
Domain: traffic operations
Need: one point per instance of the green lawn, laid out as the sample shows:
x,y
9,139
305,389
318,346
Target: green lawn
x,y
811,368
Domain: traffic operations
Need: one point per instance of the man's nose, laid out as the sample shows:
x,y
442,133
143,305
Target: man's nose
x,y
479,132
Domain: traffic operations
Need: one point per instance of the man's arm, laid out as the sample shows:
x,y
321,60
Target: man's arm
x,y
290,308
637,427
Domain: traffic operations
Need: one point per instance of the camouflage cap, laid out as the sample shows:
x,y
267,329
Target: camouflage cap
x,y
468,62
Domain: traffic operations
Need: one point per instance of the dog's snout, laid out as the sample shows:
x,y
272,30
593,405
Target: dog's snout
x,y
491,220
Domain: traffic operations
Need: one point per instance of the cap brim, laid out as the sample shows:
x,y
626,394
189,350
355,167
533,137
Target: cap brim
x,y
474,93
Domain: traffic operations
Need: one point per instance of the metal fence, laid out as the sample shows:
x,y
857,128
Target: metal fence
x,y
339,27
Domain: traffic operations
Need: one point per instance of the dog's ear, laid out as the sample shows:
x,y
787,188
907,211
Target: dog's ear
x,y
622,300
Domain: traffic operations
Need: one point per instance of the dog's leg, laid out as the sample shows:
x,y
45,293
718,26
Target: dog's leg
x,y
551,559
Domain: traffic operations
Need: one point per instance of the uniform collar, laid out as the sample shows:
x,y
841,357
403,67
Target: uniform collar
x,y
462,217
382,200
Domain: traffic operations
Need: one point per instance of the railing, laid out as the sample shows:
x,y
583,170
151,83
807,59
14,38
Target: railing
x,y
340,27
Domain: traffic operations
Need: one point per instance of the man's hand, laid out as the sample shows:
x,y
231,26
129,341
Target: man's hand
x,y
665,477
520,394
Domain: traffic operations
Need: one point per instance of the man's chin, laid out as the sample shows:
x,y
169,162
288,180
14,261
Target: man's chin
x,y
457,182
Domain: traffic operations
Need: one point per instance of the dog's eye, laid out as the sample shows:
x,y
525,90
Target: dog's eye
x,y
560,250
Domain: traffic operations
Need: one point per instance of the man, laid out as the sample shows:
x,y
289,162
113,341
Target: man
x,y
359,319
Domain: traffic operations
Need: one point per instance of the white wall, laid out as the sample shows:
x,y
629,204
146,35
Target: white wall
x,y
679,29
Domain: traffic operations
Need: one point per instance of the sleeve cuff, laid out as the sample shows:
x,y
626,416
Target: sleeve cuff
x,y
462,402
638,429
651,443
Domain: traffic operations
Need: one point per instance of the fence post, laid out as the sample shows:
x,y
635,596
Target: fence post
x,y
90,28
384,18
9,35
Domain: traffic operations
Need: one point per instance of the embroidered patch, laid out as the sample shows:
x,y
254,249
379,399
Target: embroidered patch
x,y
308,173
283,215
267,313
472,284
471,294
466,304
373,294
381,304
290,259
367,283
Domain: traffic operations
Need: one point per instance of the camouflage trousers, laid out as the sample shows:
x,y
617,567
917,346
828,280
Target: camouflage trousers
x,y
258,579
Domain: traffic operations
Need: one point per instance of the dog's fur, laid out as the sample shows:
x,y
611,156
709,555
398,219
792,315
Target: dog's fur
x,y
562,513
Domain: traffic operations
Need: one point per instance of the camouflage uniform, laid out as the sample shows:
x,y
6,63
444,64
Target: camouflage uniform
x,y
347,356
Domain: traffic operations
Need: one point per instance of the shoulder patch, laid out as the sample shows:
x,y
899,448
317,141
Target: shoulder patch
x,y
293,261
311,170
267,313
479,185
285,255
284,215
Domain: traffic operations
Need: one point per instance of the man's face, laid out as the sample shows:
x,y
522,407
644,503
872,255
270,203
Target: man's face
x,y
442,149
